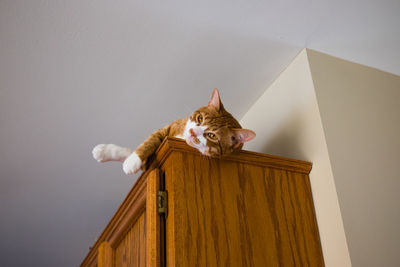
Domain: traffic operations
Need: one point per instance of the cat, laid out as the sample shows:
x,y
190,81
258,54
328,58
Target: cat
x,y
211,130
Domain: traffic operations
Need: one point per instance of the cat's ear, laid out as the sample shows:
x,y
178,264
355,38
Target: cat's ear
x,y
215,100
241,136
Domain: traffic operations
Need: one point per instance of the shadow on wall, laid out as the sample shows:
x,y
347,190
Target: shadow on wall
x,y
286,141
288,138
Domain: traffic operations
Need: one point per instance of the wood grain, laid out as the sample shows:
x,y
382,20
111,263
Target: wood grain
x,y
131,252
226,213
153,220
105,257
170,170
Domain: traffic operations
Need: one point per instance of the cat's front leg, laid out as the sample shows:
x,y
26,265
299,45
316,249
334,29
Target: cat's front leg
x,y
138,159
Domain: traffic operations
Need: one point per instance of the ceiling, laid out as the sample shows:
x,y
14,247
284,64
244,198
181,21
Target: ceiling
x,y
77,73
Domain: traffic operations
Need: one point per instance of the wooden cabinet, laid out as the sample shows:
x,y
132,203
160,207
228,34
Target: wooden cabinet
x,y
248,209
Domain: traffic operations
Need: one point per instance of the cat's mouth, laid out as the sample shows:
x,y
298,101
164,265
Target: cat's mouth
x,y
196,140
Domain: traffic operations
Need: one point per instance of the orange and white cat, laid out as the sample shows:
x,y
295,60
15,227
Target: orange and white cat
x,y
210,129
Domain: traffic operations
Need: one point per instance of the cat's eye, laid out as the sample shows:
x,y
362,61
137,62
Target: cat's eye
x,y
200,119
212,136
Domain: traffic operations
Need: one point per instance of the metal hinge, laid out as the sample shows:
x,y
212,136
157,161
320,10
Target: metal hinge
x,y
162,203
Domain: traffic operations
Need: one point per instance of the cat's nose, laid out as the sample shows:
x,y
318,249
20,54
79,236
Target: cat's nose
x,y
192,132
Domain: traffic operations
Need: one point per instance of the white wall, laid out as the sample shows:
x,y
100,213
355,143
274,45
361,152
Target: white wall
x,y
287,122
360,111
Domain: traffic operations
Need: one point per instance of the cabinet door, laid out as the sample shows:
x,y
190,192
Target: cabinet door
x,y
134,238
131,251
155,226
227,213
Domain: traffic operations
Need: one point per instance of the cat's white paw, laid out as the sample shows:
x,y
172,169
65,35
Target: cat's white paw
x,y
132,164
99,153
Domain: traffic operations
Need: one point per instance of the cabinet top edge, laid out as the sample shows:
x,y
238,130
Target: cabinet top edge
x,y
171,144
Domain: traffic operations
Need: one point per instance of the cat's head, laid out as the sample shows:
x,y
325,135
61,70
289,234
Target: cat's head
x,y
214,131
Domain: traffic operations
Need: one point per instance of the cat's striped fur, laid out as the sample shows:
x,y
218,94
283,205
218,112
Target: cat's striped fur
x,y
211,130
